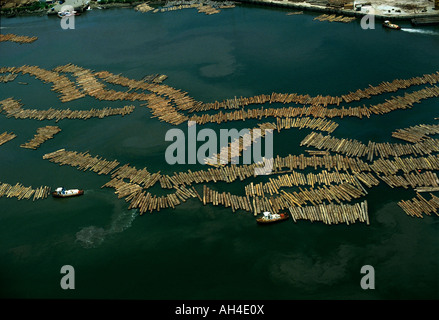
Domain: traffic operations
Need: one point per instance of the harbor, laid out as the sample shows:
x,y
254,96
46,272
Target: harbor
x,y
354,164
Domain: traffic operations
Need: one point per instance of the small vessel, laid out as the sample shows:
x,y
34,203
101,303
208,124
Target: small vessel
x,y
272,217
389,25
63,193
67,13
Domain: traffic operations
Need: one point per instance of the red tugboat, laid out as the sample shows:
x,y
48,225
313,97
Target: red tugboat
x,y
63,193
389,25
271,218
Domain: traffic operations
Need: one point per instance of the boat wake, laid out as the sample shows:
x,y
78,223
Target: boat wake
x,y
92,237
429,32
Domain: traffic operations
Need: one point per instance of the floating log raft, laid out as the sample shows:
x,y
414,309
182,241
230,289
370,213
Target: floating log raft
x,y
8,78
427,189
61,84
408,164
334,18
21,192
332,213
133,193
82,161
155,78
419,205
318,111
235,148
306,122
43,134
286,98
13,108
355,148
416,133
5,137
338,193
294,13
297,179
413,180
16,38
140,177
144,7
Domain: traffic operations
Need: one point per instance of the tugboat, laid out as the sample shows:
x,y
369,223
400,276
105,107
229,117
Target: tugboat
x,y
389,25
271,218
63,193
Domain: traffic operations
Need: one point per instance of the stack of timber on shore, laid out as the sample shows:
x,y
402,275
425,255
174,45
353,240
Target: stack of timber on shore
x,y
5,137
180,7
13,108
206,9
357,149
332,213
143,7
416,133
21,192
334,18
413,180
43,134
82,161
16,38
419,205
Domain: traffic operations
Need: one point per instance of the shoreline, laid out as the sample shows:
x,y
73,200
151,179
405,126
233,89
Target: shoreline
x,y
305,6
